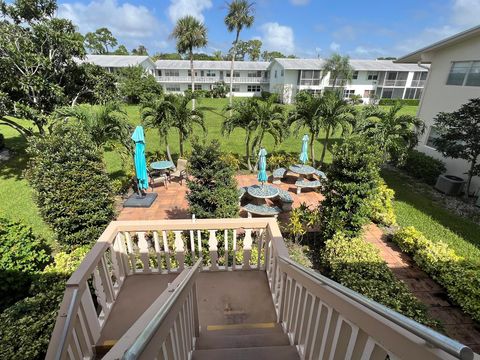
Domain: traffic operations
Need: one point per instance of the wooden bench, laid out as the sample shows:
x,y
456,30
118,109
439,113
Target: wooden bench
x,y
263,210
286,199
300,184
278,174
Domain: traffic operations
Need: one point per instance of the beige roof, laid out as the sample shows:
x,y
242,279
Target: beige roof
x,y
416,56
115,60
211,65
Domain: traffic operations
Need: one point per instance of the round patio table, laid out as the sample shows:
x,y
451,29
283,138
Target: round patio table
x,y
162,165
260,193
302,170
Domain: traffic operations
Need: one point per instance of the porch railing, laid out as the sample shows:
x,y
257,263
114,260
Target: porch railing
x,y
322,318
212,79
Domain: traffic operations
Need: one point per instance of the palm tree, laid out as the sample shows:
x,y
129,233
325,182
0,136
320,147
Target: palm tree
x,y
189,33
240,15
307,115
339,68
335,113
159,114
393,132
105,123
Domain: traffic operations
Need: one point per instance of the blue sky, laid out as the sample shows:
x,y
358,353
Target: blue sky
x,y
306,28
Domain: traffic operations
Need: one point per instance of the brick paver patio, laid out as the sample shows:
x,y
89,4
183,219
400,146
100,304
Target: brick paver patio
x,y
457,325
171,202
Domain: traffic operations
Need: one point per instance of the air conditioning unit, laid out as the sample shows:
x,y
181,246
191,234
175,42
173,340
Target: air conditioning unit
x,y
450,184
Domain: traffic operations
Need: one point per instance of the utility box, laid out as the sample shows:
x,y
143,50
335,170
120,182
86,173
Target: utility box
x,y
450,184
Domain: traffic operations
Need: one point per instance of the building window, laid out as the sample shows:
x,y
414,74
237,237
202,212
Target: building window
x,y
413,93
372,75
253,74
458,72
310,77
210,73
282,72
254,88
172,88
431,136
387,93
235,88
197,87
368,94
190,73
172,73
473,78
348,93
235,74
355,75
275,74
159,72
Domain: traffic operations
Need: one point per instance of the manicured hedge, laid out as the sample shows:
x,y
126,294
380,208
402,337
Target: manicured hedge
x,y
391,102
381,205
356,264
423,167
460,278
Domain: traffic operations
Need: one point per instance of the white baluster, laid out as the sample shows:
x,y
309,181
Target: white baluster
x,y
131,253
247,249
226,249
143,247
158,251
123,253
260,247
166,250
212,247
192,245
199,243
179,250
234,249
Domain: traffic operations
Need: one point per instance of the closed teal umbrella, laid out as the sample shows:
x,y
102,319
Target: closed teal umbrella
x,y
139,158
262,166
304,153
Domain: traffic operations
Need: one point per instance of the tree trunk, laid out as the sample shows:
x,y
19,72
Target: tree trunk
x,y
247,151
192,73
167,146
234,52
325,145
312,148
180,138
470,176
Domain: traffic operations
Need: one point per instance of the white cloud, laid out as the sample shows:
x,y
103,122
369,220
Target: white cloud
x,y
346,32
126,21
180,8
466,12
335,47
299,2
278,37
368,52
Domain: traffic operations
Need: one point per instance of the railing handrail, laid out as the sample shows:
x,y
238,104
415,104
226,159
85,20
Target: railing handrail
x,y
63,338
443,342
149,331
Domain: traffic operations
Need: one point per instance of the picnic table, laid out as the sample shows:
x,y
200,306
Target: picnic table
x,y
302,170
262,191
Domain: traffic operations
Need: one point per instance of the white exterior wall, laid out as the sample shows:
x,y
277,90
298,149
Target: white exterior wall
x,y
439,97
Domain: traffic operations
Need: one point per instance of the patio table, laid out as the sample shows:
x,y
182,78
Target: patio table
x,y
162,165
263,192
302,170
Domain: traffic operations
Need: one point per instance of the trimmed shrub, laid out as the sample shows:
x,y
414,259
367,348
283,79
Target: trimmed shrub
x,y
391,102
213,189
231,160
352,180
72,188
279,159
381,205
460,278
299,254
423,167
135,85
21,256
357,265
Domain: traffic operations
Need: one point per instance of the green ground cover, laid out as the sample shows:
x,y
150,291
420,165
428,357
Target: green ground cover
x,y
414,207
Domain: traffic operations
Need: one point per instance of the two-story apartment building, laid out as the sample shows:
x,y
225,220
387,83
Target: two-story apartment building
x,y
250,78
371,79
113,63
453,80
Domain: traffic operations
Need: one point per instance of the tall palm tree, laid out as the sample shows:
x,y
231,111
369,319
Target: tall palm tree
x,y
239,16
307,115
158,114
339,68
189,34
105,123
336,114
393,132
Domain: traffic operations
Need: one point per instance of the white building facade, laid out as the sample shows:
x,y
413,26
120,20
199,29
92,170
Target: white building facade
x,y
250,78
454,79
371,79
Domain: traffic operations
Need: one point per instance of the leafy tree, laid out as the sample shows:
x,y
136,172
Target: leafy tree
x,y
270,55
99,41
352,180
239,16
217,55
134,84
140,50
121,50
339,68
213,189
336,114
459,136
72,189
307,114
244,48
167,56
37,52
202,56
394,133
105,123
189,34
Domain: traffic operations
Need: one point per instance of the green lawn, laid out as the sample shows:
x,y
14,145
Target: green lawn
x,y
416,208
16,197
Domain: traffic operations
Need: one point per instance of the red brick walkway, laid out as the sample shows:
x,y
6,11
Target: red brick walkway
x,y
457,325
171,202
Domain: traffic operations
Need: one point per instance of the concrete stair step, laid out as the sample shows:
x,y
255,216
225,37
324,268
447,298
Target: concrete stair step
x,y
254,353
219,341
244,329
